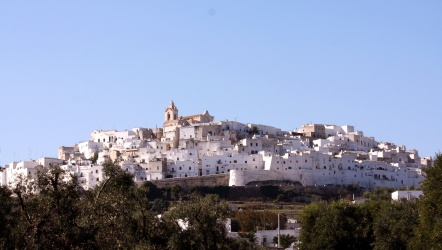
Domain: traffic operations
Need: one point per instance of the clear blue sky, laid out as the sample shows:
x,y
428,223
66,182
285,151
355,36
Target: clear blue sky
x,y
69,67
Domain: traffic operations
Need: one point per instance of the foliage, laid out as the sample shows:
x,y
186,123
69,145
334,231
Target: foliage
x,y
393,224
221,191
429,233
379,193
52,218
338,225
119,211
198,223
378,223
8,214
285,240
254,130
251,220
119,214
94,158
250,236
269,191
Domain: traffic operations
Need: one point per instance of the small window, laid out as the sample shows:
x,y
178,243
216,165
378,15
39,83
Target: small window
x,y
98,179
190,168
96,171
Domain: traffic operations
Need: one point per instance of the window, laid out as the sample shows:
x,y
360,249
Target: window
x,y
158,167
180,169
98,179
251,144
245,161
257,144
96,171
190,168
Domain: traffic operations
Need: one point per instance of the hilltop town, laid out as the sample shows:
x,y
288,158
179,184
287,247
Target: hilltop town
x,y
197,145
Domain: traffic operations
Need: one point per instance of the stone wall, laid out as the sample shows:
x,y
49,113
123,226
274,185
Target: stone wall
x,y
188,182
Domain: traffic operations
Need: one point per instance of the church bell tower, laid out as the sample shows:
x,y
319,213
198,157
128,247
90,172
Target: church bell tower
x,y
171,113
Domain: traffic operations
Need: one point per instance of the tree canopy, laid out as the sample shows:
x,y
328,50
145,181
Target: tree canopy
x,y
116,214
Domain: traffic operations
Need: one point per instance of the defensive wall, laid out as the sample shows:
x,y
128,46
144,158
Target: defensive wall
x,y
188,182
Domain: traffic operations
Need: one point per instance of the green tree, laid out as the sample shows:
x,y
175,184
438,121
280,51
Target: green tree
x,y
429,233
8,219
119,212
50,219
250,236
394,223
285,240
198,223
94,158
251,220
254,130
338,225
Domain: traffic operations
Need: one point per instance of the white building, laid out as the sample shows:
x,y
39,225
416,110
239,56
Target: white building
x,y
195,145
406,194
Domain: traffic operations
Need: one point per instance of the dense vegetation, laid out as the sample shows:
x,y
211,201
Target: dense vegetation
x,y
117,214
378,223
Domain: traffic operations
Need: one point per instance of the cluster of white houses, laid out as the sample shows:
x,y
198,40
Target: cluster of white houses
x,y
196,145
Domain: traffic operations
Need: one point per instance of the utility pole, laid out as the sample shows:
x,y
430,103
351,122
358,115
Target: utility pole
x,y
278,232
264,219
